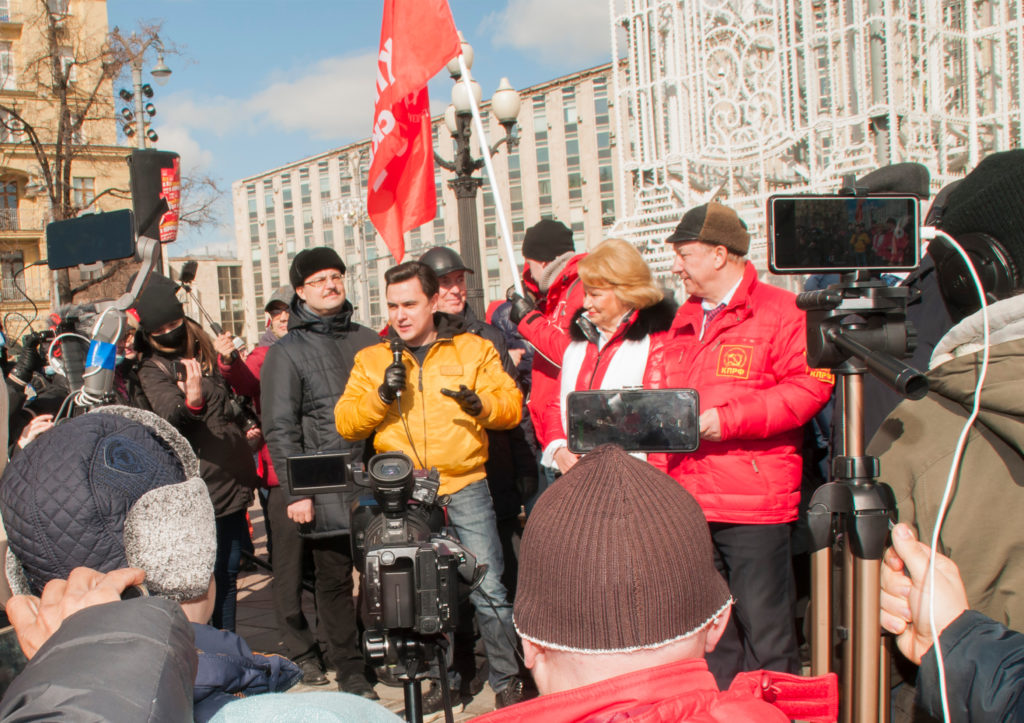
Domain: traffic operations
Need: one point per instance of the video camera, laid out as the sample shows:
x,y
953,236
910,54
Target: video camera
x,y
411,568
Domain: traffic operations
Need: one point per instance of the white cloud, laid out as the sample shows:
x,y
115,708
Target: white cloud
x,y
193,156
331,100
555,29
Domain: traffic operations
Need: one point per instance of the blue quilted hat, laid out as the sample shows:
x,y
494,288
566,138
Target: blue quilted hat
x,y
105,490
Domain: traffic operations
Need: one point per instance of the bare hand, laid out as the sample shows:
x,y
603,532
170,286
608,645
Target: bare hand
x,y
565,459
35,619
301,511
37,426
192,387
516,355
225,345
710,425
904,598
254,436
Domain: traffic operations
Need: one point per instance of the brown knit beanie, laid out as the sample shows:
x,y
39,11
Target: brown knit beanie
x,y
713,223
616,557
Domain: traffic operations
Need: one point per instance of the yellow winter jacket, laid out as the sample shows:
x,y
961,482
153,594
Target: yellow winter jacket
x,y
436,432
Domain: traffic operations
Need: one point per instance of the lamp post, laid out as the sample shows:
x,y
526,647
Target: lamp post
x,y
458,119
143,91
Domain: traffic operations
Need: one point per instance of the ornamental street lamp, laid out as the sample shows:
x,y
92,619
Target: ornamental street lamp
x,y
458,119
135,123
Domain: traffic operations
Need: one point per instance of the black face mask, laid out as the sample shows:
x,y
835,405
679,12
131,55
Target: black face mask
x,y
171,339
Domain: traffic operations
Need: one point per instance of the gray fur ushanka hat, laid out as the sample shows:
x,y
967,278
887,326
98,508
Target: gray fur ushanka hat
x,y
113,488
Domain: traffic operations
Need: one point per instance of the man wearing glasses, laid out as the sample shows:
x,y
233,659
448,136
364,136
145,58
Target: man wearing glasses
x,y
303,376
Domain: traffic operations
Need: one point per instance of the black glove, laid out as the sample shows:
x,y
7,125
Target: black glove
x,y
394,383
467,399
521,306
29,361
527,488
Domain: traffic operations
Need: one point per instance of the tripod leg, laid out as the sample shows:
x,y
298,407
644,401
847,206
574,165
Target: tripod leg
x,y
821,611
413,701
866,641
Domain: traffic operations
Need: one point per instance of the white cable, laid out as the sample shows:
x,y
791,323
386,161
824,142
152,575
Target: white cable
x,y
960,446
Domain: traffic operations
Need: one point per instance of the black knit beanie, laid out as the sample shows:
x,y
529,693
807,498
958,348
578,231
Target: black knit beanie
x,y
547,240
616,557
308,261
157,304
990,200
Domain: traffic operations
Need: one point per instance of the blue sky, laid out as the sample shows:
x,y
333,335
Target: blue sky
x,y
261,83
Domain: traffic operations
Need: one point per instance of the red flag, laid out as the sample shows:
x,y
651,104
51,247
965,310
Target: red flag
x,y
417,39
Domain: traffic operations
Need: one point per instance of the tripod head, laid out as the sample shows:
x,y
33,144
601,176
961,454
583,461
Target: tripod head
x,y
863,318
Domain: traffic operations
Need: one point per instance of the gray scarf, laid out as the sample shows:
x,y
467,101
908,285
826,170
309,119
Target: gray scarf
x,y
552,271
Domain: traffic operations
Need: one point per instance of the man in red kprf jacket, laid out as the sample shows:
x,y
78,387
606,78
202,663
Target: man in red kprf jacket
x,y
741,344
600,646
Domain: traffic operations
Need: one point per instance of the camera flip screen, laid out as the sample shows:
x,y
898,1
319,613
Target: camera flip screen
x,y
312,474
837,234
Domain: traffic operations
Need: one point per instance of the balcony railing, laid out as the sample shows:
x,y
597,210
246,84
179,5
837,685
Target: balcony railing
x,y
13,219
35,282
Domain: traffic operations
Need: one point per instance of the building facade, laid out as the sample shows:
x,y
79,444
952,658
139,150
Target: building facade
x,y
742,99
28,103
216,291
563,166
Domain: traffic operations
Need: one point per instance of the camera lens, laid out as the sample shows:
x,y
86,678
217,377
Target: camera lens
x,y
390,469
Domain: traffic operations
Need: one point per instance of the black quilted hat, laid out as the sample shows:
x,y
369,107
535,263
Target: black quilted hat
x,y
105,490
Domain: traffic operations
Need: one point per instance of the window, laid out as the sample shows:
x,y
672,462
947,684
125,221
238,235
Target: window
x,y
83,191
232,306
5,11
10,128
7,79
58,7
8,205
11,263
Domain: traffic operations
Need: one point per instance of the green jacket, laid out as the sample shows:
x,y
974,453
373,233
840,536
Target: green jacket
x,y
983,531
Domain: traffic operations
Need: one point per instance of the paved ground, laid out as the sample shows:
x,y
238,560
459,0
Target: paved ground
x,y
256,624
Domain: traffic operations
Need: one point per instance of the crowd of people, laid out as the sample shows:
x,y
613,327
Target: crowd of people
x,y
660,585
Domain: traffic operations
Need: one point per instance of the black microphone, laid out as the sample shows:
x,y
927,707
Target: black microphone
x,y
396,358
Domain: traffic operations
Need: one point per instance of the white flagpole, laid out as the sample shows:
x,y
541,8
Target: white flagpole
x,y
499,206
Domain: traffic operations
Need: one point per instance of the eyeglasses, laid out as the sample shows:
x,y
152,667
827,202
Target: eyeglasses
x,y
321,281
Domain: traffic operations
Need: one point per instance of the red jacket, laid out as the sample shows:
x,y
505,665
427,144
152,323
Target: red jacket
x,y
244,379
548,330
751,365
653,321
683,691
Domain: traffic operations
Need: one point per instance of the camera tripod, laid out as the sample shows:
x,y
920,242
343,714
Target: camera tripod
x,y
414,657
853,327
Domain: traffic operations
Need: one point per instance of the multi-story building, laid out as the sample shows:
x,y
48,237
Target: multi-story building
x,y
80,28
563,166
217,288
742,99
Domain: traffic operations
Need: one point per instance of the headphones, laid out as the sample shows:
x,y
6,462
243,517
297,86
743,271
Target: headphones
x,y
996,268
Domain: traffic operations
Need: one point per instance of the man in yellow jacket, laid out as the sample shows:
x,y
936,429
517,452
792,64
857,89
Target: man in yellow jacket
x,y
431,390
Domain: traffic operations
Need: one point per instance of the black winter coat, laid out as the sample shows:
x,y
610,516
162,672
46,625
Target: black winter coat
x,y
225,459
984,664
303,377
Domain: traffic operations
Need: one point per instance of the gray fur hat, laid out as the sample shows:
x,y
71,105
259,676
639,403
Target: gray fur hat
x,y
113,488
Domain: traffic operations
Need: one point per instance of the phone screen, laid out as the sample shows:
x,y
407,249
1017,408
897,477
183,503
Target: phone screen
x,y
836,234
638,420
90,238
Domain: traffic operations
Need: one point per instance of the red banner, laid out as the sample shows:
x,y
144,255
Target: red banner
x,y
417,39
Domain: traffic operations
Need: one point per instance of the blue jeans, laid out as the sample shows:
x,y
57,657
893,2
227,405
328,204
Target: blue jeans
x,y
232,532
472,515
